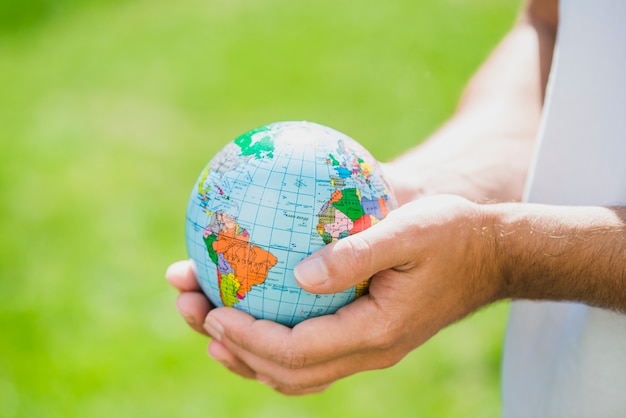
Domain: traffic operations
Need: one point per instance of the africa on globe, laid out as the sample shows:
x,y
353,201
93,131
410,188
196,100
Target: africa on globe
x,y
270,198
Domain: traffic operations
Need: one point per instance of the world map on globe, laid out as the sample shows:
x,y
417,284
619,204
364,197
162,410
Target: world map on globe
x,y
267,200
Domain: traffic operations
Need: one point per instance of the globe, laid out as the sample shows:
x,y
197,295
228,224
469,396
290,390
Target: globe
x,y
267,200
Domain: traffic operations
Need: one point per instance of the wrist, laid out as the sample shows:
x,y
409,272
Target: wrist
x,y
495,258
504,226
560,253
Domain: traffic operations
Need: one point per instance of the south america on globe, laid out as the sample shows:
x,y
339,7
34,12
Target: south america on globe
x,y
270,198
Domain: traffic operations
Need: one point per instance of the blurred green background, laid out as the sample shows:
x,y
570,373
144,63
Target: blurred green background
x,y
108,112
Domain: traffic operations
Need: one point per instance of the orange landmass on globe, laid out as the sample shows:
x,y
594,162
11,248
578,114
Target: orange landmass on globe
x,y
249,262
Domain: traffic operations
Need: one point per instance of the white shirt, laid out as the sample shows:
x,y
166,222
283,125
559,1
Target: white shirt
x,y
567,359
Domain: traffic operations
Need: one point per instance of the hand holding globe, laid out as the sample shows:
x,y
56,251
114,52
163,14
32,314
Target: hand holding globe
x,y
428,261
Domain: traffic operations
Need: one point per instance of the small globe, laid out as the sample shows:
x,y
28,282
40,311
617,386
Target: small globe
x,y
270,198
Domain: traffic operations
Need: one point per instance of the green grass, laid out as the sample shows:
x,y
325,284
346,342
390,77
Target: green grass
x,y
109,110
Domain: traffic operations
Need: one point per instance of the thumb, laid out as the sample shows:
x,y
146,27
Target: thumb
x,y
349,261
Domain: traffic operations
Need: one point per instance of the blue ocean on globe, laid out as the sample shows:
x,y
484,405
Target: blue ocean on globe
x,y
270,198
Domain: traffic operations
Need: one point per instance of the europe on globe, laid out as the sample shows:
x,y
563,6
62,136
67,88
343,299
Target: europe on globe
x,y
270,198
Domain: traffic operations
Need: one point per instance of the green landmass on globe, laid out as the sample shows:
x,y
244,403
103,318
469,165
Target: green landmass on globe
x,y
266,201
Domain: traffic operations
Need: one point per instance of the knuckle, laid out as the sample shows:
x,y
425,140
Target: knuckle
x,y
293,359
243,340
383,341
288,355
355,254
385,335
390,359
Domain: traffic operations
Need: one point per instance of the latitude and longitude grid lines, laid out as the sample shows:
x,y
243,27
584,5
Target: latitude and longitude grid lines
x,y
282,164
244,180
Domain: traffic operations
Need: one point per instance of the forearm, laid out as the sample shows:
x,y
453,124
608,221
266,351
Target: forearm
x,y
483,151
562,253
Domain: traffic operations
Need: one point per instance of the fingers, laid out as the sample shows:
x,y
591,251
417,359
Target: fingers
x,y
194,307
301,376
181,275
351,260
191,303
369,333
313,341
277,378
218,352
319,377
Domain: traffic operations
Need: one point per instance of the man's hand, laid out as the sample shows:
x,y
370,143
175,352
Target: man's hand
x,y
191,302
432,262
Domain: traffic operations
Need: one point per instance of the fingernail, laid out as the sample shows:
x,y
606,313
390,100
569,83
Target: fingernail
x,y
174,269
311,272
214,328
168,272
